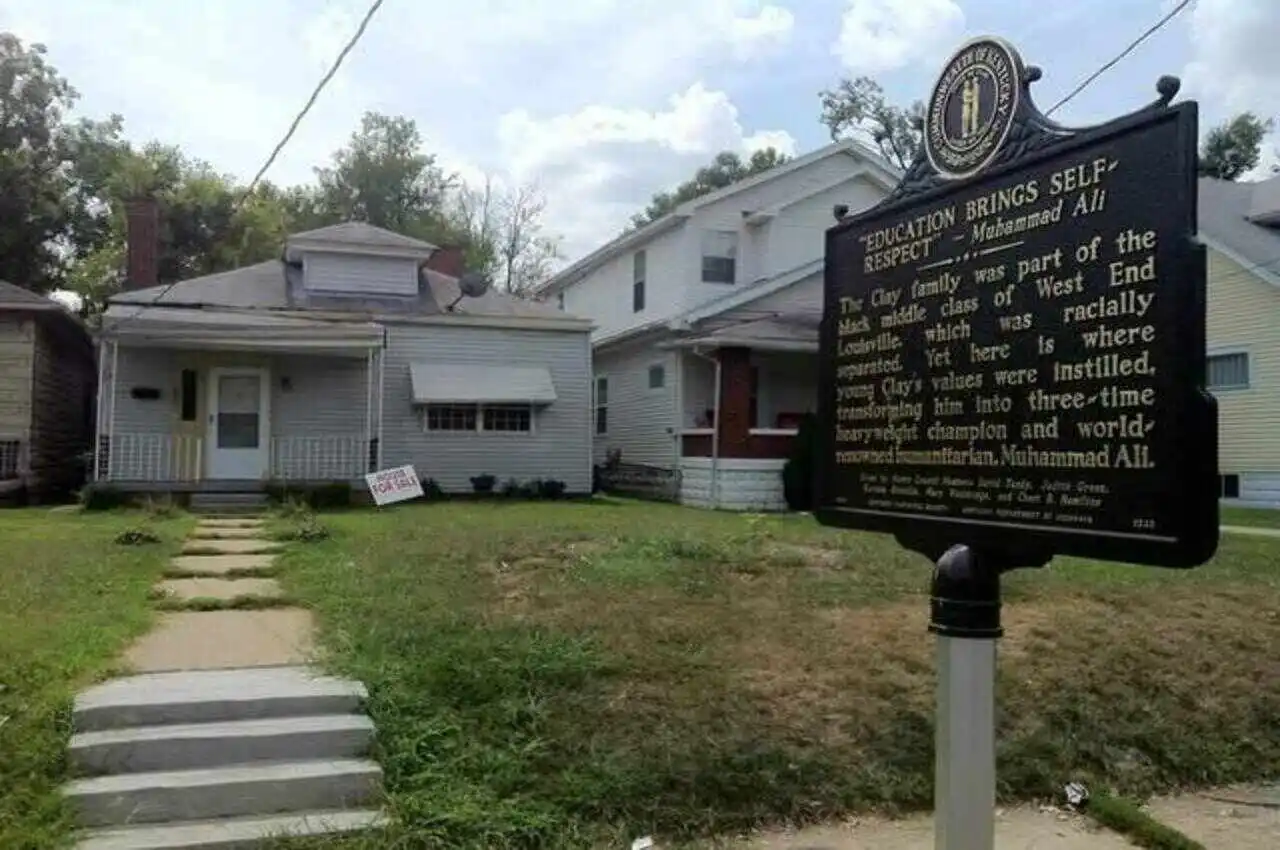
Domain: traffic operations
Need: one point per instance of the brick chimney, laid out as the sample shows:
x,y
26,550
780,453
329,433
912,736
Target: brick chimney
x,y
142,243
447,261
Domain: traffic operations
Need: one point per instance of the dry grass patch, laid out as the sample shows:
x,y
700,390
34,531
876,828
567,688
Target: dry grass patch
x,y
562,675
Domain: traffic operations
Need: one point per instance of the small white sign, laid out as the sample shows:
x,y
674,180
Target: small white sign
x,y
394,485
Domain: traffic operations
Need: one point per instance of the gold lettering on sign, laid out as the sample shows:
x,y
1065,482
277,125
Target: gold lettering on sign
x,y
1009,339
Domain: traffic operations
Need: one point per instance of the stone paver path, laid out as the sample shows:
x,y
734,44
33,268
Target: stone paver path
x,y
222,639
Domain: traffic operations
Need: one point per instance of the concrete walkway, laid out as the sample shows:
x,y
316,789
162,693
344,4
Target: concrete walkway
x,y
222,738
219,563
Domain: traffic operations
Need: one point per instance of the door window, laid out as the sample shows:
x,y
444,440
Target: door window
x,y
239,409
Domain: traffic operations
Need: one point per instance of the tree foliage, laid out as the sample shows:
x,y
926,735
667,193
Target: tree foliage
x,y
726,169
1234,147
858,109
65,186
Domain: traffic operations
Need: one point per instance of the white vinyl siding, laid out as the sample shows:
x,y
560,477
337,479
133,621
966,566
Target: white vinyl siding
x,y
641,418
338,274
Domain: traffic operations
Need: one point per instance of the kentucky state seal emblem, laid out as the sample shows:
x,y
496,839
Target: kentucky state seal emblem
x,y
972,107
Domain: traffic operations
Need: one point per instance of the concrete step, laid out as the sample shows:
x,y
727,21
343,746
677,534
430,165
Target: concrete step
x,y
226,792
213,696
225,532
231,833
184,746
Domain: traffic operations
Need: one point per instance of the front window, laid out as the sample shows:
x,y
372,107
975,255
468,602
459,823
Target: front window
x,y
479,418
602,405
1228,371
720,256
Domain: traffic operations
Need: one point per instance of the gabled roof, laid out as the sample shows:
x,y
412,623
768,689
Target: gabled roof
x,y
873,164
353,233
16,298
1224,226
266,286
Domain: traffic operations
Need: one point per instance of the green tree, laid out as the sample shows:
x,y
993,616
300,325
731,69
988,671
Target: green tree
x,y
858,108
726,169
35,204
1234,147
207,223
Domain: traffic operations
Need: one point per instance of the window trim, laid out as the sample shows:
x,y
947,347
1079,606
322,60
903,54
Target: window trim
x,y
596,406
479,411
1229,351
639,274
704,256
662,376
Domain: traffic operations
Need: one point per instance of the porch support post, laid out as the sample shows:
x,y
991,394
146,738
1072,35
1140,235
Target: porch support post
x,y
97,411
368,408
111,422
382,389
733,423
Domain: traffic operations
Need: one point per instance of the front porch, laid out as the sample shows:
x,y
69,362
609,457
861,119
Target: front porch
x,y
186,408
741,407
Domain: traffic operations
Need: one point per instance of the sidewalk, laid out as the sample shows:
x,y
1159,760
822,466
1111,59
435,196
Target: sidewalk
x,y
225,560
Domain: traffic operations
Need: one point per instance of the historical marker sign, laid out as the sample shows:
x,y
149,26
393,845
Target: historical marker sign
x,y
1013,343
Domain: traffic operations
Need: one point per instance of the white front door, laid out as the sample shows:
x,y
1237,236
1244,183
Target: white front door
x,y
238,423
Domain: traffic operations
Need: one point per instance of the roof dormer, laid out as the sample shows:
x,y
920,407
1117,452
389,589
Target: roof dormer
x,y
358,259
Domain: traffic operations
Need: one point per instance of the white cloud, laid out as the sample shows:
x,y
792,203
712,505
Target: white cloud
x,y
224,80
599,164
883,35
1234,64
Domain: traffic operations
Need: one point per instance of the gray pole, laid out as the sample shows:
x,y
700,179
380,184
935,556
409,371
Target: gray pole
x,y
965,615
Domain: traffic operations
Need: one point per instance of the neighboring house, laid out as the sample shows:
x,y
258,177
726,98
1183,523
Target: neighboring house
x,y
1240,225
46,396
354,351
707,327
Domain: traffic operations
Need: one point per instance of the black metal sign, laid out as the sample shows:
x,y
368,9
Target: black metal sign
x,y
1013,343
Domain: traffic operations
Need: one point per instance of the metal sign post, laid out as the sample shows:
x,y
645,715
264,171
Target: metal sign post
x,y
965,615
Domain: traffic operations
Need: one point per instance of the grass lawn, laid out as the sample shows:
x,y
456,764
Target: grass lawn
x,y
1251,516
70,598
568,674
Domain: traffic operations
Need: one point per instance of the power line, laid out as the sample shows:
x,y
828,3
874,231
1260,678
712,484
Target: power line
x,y
293,127
1133,45
324,81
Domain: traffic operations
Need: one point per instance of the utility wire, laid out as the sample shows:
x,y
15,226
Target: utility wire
x,y
1133,45
311,101
293,127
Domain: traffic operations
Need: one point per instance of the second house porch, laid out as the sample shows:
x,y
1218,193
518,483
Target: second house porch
x,y
184,406
741,407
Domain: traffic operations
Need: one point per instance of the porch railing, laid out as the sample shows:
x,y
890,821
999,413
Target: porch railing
x,y
336,457
164,458
173,459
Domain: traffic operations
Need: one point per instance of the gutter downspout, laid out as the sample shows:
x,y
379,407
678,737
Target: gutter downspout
x,y
715,430
382,387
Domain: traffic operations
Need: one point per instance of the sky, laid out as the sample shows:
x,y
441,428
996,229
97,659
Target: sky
x,y
601,103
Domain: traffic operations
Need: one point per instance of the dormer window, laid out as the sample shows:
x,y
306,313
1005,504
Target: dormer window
x,y
720,256
638,274
560,300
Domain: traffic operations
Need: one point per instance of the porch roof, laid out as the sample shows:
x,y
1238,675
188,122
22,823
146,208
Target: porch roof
x,y
236,330
761,334
457,383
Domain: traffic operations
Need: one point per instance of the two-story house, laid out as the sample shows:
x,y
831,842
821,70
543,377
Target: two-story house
x,y
705,348
1240,225
356,350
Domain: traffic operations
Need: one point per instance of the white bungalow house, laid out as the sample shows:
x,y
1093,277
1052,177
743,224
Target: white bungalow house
x,y
353,351
707,327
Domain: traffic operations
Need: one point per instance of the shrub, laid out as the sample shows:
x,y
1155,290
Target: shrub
x,y
103,497
551,489
137,537
431,489
512,489
483,485
334,494
797,475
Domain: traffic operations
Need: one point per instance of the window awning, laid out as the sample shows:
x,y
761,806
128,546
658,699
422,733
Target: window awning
x,y
444,383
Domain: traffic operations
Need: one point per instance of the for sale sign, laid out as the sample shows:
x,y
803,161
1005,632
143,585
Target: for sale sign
x,y
394,485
